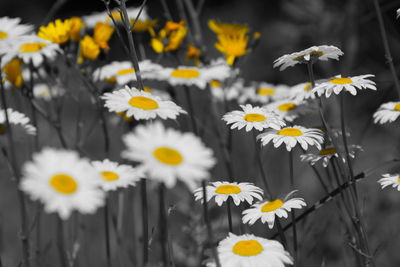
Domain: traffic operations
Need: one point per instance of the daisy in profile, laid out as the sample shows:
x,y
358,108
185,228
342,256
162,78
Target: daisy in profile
x,y
10,31
46,92
387,112
16,118
326,154
251,251
267,210
122,72
239,192
141,105
349,84
63,182
167,155
264,93
221,91
302,91
198,76
292,136
253,117
31,48
288,109
390,180
114,175
312,54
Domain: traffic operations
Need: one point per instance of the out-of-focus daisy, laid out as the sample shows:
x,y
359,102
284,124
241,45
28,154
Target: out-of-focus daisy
x,y
267,210
253,117
251,251
239,192
288,109
387,112
220,93
264,93
302,91
158,92
46,92
141,105
31,48
398,13
390,180
292,136
327,153
312,54
16,118
123,72
167,155
349,84
198,76
57,32
114,175
10,31
63,182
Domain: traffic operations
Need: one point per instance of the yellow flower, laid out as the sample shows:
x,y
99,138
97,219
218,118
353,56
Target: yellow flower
x,y
76,26
225,28
102,34
13,72
89,49
232,46
169,38
143,25
193,52
176,36
57,32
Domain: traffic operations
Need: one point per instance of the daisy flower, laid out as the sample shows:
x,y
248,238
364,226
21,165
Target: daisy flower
x,y
292,136
327,153
31,48
114,175
198,76
253,117
267,210
10,31
47,93
264,93
167,155
251,251
312,54
390,180
141,105
122,72
63,182
16,118
387,112
350,84
239,192
288,109
302,91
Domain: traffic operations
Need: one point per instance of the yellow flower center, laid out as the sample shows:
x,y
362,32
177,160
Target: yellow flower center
x,y
328,151
228,189
143,103
317,53
3,35
287,107
109,176
31,47
111,79
341,81
45,92
254,117
63,183
247,248
397,107
272,205
147,89
398,180
307,88
266,91
125,71
290,132
185,74
215,83
168,156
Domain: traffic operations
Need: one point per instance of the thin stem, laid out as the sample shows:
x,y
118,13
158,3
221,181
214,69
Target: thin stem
x,y
145,223
167,13
60,243
53,10
228,206
107,233
293,215
163,224
385,41
191,109
281,233
208,225
260,166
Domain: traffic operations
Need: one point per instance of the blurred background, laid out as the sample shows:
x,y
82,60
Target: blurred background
x,y
286,26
